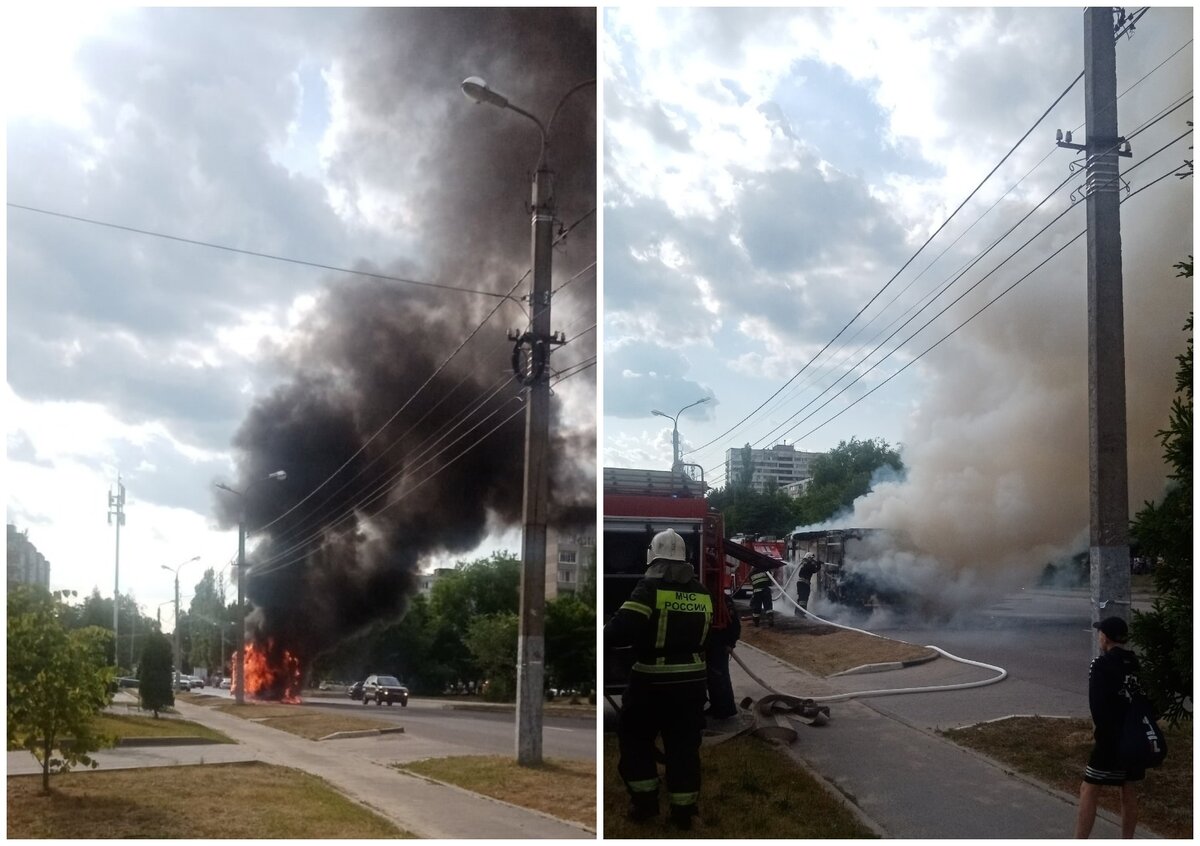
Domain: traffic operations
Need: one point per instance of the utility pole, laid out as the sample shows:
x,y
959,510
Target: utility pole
x,y
1107,441
178,667
531,643
116,508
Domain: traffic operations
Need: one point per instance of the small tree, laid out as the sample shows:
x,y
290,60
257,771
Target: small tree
x,y
155,674
58,681
493,644
1164,533
571,641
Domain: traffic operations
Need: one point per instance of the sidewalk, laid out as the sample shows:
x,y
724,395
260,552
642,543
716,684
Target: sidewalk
x,y
910,782
356,767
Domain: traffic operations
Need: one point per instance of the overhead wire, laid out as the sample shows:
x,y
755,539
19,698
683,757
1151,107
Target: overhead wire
x,y
920,249
955,301
813,377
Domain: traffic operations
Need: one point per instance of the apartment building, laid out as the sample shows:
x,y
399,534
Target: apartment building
x,y
25,564
781,467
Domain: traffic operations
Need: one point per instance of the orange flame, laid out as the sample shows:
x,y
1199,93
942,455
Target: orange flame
x,y
264,681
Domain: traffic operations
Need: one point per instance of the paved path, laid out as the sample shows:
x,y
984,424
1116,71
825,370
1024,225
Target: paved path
x,y
358,768
910,782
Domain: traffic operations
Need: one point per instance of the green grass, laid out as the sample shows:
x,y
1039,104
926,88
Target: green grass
x,y
565,789
750,789
227,801
1055,752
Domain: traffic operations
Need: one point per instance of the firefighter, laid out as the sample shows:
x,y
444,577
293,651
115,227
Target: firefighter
x,y
760,601
666,620
809,565
721,640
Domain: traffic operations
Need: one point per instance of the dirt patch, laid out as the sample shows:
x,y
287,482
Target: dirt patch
x,y
564,789
226,801
303,722
1055,752
751,789
824,650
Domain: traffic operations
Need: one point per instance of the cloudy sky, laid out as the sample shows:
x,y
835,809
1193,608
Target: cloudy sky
x,y
767,172
334,137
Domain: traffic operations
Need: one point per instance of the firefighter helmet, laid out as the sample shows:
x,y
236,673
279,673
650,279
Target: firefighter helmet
x,y
809,556
666,544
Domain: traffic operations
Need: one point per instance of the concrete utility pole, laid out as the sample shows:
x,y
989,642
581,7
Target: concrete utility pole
x,y
116,508
1107,441
532,363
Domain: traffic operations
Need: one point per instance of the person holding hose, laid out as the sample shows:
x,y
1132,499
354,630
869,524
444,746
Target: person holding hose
x,y
666,621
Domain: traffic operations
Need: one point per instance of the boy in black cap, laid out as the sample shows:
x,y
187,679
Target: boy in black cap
x,y
1112,678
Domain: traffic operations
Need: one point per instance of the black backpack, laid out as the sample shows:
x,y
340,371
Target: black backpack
x,y
1143,745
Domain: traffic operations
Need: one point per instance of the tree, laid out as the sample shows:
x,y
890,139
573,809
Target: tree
x,y
1163,532
571,642
58,681
492,641
155,674
205,619
843,475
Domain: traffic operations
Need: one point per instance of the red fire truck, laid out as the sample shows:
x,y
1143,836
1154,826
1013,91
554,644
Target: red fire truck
x,y
638,504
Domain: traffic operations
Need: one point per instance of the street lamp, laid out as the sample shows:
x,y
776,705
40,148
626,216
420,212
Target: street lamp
x,y
538,341
675,429
239,667
176,570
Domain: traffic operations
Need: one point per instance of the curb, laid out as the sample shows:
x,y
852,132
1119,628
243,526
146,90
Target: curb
x,y
847,800
432,780
341,735
888,665
191,740
510,709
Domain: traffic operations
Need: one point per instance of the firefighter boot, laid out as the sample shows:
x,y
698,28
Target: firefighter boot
x,y
643,807
771,619
681,816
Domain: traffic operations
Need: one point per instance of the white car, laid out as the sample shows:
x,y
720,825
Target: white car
x,y
224,685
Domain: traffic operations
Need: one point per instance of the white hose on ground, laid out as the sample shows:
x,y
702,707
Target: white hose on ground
x,y
861,694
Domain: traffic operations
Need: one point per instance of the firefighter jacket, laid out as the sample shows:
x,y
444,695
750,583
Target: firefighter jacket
x,y
760,579
666,620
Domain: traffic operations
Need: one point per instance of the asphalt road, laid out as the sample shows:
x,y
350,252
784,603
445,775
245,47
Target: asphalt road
x,y
1042,637
465,732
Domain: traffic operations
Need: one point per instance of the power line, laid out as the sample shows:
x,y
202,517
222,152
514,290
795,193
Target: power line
x,y
256,254
876,295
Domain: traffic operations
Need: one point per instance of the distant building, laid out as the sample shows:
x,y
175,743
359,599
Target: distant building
x,y
26,566
426,581
569,552
780,467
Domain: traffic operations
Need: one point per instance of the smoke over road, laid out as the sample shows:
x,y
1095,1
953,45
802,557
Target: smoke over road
x,y
347,557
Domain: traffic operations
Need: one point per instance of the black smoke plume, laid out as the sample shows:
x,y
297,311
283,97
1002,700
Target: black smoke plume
x,y
346,557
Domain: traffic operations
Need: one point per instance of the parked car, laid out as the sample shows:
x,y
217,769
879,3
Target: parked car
x,y
380,689
183,682
224,685
196,682
355,691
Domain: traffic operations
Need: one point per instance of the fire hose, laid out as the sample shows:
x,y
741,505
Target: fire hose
x,y
862,694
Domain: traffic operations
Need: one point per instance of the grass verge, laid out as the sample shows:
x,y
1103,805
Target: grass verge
x,y
1055,752
301,721
564,789
762,794
116,725
228,801
823,650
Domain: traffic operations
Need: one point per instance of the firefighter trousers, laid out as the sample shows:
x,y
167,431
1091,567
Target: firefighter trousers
x,y
674,711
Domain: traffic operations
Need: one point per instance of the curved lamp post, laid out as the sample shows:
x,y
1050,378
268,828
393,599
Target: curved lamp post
x,y
176,570
675,428
239,667
531,637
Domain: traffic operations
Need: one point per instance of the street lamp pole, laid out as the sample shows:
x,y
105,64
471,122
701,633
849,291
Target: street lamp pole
x,y
176,570
531,647
675,429
239,667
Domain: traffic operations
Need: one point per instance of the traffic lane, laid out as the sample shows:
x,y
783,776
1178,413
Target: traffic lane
x,y
480,732
1043,641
